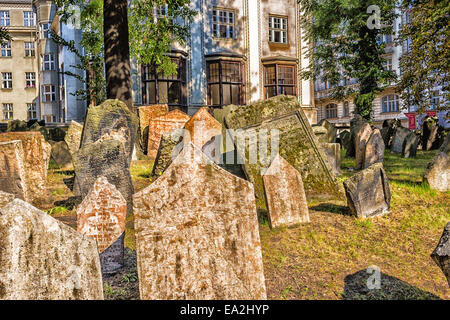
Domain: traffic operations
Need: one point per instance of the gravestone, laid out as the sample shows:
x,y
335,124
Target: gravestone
x,y
197,234
430,130
101,215
441,255
36,153
285,195
355,125
368,193
397,141
167,151
103,158
388,131
331,130
147,113
320,133
5,198
437,173
44,259
166,123
111,120
73,137
410,145
13,176
332,152
362,137
374,151
345,139
16,126
56,134
61,155
201,128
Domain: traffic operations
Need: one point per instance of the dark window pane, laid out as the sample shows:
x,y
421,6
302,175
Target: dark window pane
x,y
226,94
162,92
215,95
151,94
174,92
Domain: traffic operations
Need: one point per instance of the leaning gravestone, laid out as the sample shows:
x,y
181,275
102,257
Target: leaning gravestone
x,y
332,152
5,198
13,176
362,137
36,158
197,234
201,128
103,158
331,130
397,142
73,137
355,125
438,170
345,139
61,155
169,147
111,120
368,192
410,144
147,113
166,123
374,151
430,130
44,259
441,255
285,195
101,215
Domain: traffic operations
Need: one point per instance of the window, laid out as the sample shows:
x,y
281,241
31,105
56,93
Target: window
x,y
32,112
158,88
6,80
278,29
50,118
279,79
29,49
28,18
385,38
390,103
346,109
30,79
4,19
223,24
8,113
387,64
48,93
45,30
6,49
48,62
331,111
225,83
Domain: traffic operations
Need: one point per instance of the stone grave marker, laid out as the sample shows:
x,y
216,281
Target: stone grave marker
x,y
332,152
362,137
410,144
73,136
397,141
201,128
441,255
374,151
61,155
13,176
355,125
331,130
437,174
170,146
5,198
147,113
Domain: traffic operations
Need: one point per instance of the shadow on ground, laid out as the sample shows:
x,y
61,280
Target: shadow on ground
x,y
331,207
390,288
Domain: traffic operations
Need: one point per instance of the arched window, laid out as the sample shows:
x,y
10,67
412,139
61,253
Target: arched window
x,y
331,110
390,103
346,109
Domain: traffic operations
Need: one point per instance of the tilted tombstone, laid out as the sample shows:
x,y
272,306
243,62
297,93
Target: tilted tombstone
x,y
430,129
44,259
201,128
169,147
285,195
410,145
111,120
60,154
103,158
197,234
441,255
355,125
331,130
101,215
147,113
332,152
73,137
5,198
36,153
362,137
397,142
173,120
437,174
374,151
368,193
388,130
13,176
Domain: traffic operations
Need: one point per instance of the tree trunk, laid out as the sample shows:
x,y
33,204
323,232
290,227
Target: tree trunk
x,y
117,51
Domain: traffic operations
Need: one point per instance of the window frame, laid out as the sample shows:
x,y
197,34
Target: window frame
x,y
390,103
6,48
30,79
51,93
230,27
29,21
31,50
7,81
283,29
8,112
5,18
277,85
45,32
50,62
346,109
31,111
331,111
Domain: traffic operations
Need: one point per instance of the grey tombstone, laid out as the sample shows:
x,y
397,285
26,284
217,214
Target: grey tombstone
x,y
441,255
397,142
410,145
332,152
374,151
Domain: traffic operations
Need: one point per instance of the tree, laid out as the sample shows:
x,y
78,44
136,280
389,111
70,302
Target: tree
x,y
426,63
4,35
347,46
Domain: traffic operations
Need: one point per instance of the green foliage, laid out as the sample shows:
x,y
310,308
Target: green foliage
x,y
57,210
345,47
4,35
426,64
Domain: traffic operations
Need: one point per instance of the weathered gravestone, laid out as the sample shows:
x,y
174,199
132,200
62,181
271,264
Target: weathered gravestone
x,y
355,125
101,215
374,151
331,130
197,234
297,144
397,141
73,137
56,134
44,259
362,137
36,153
60,154
332,152
16,126
430,130
410,144
169,147
5,198
147,113
173,120
111,120
441,255
201,128
285,195
13,176
438,170
345,139
368,192
388,130
103,158
320,133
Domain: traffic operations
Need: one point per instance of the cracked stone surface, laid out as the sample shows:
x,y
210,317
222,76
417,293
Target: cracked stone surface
x,y
201,128
5,198
374,151
73,136
362,137
13,177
